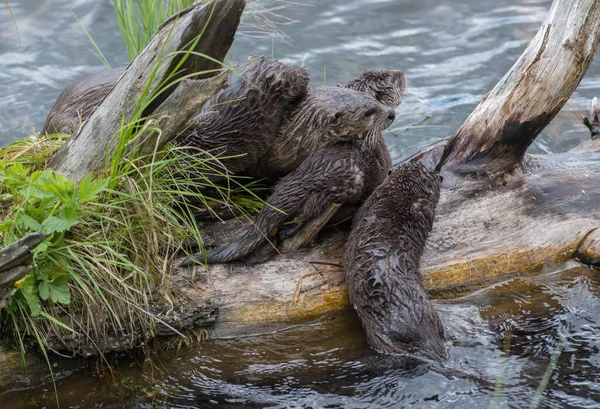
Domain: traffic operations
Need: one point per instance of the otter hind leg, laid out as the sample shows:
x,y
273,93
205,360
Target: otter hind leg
x,y
327,177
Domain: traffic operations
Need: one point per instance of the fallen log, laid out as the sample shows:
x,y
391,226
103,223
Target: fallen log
x,y
502,213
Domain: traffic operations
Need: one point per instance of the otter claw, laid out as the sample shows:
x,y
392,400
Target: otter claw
x,y
592,122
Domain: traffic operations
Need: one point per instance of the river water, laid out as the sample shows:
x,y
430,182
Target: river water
x,y
503,339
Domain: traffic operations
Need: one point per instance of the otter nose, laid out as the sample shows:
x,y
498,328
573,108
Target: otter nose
x,y
391,114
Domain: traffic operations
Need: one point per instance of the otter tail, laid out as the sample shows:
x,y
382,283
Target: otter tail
x,y
241,246
245,243
251,238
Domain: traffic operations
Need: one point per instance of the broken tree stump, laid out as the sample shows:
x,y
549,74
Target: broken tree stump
x,y
87,151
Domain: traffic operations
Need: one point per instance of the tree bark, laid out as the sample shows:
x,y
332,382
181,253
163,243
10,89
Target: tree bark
x,y
16,261
216,21
496,135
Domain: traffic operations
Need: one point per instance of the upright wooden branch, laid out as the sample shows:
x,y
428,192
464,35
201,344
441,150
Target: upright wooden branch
x,y
496,135
87,151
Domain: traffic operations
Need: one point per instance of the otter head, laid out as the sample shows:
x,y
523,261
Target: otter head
x,y
386,86
347,114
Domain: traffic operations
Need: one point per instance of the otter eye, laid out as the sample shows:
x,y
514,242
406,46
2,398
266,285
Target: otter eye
x,y
370,112
337,116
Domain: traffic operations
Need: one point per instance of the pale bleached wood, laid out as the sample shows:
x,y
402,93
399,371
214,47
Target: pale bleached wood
x,y
310,230
174,114
87,151
496,135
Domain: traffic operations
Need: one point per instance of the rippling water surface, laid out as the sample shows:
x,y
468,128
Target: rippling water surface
x,y
504,338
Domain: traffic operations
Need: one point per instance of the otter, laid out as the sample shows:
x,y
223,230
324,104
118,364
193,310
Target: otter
x,y
381,263
240,123
344,173
76,103
266,121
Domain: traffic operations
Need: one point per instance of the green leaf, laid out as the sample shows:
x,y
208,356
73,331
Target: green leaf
x,y
62,188
42,272
16,175
54,224
89,189
69,214
56,289
6,225
38,183
41,248
28,222
29,289
44,290
60,279
60,293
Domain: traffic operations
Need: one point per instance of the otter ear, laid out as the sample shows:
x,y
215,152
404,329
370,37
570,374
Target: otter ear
x,y
335,116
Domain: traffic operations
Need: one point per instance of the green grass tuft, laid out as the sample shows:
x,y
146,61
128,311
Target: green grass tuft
x,y
139,19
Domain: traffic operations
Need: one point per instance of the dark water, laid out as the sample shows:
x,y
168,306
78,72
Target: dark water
x,y
502,341
503,338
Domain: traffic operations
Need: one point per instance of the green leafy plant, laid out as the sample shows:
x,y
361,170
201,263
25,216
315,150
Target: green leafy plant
x,y
43,201
108,260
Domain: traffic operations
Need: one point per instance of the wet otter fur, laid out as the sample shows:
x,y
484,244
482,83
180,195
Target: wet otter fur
x,y
344,173
240,123
328,115
381,263
270,121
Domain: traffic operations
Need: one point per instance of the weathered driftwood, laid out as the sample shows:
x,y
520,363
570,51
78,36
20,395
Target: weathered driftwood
x,y
87,150
16,261
501,213
496,135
